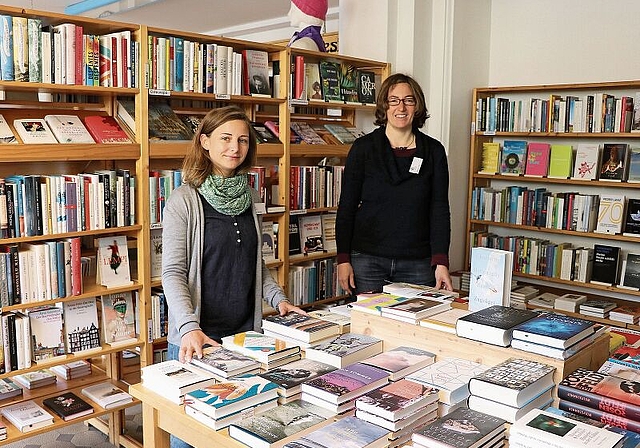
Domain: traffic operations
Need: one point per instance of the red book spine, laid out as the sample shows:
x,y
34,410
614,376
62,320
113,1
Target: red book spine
x,y
299,77
596,401
124,43
76,266
114,62
79,62
609,415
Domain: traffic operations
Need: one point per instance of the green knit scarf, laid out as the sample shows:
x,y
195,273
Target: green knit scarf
x,y
229,195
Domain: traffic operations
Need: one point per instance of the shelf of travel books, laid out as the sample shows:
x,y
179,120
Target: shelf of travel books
x,y
395,333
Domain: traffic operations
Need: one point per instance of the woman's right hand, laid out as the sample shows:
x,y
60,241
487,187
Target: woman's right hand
x,y
346,277
191,344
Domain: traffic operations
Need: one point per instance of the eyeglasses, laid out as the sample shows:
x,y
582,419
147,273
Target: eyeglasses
x,y
408,101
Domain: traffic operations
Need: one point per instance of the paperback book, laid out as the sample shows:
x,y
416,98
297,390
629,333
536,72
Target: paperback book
x,y
225,363
373,303
614,162
35,379
401,361
586,164
34,131
105,129
8,388
68,406
172,379
632,218
493,325
631,272
297,326
113,262
348,432
47,333
6,134
561,161
554,330
289,377
418,308
345,349
606,264
68,129
258,346
514,156
81,325
118,319
490,283
445,321
107,395
537,159
397,400
344,322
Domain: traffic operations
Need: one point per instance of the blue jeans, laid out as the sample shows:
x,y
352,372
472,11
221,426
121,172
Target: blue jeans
x,y
173,352
372,272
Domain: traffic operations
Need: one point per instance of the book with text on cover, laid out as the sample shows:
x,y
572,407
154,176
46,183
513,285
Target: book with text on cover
x,y
68,406
632,218
401,361
514,157
172,379
330,79
81,329
606,264
490,282
345,349
27,416
348,432
34,131
68,129
264,134
366,87
586,163
258,346
164,123
615,162
105,129
311,233
301,327
633,173
561,161
373,303
490,158
344,322
493,325
509,413
6,134
604,415
256,72
290,376
47,333
631,273
418,308
113,261
554,330
610,213
118,319
107,395
225,363
537,159
397,400
445,321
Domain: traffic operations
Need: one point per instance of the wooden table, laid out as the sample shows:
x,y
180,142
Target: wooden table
x,y
161,417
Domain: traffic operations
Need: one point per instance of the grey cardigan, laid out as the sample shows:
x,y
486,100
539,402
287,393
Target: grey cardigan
x,y
182,246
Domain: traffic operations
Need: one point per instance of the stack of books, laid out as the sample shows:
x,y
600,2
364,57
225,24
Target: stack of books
x,y
521,295
270,352
218,405
623,362
337,391
493,325
38,378
345,349
543,428
445,321
627,314
462,428
71,370
299,330
342,320
601,397
401,361
554,335
223,363
451,377
597,308
373,303
290,377
412,290
400,407
346,432
8,389
172,379
570,302
417,308
512,388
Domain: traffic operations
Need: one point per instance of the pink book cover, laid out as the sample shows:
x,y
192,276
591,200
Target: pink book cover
x,y
537,159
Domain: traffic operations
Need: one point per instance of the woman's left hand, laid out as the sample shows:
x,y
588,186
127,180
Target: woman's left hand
x,y
443,279
285,308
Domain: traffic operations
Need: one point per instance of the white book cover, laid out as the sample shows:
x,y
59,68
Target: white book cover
x,y
6,134
490,282
81,325
268,241
586,164
173,379
47,333
34,131
311,237
113,261
107,395
329,232
610,213
68,129
27,416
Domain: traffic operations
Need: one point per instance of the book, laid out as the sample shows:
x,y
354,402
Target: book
x,y
256,72
47,333
633,173
445,321
344,322
397,400
68,406
27,416
491,271
118,319
543,428
263,133
559,353
561,161
301,327
126,112
348,77
450,376
348,432
258,346
265,429
36,379
231,396
105,129
310,233
289,377
403,427
417,308
509,413
81,328
294,236
401,361
173,379
341,133
493,325
107,395
490,158
569,302
268,241
373,303
345,384
461,428
113,261
307,133
329,75
609,418
630,273
514,157
610,214
366,87
632,218
606,263
554,330
155,255
345,349
586,164
71,370
164,123
33,131
312,81
614,162
7,137
68,129
9,388
625,313
537,164
513,382
225,363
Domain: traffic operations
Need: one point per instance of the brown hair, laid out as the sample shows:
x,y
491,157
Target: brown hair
x,y
421,112
197,164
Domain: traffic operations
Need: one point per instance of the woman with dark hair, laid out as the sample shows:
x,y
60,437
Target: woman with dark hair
x,y
393,222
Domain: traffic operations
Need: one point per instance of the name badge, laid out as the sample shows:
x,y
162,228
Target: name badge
x,y
415,165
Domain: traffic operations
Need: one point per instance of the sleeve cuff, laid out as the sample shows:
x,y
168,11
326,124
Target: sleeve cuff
x,y
439,259
343,258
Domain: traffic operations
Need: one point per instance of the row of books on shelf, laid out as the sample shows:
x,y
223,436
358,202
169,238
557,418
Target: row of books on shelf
x,y
159,315
614,162
65,54
309,133
312,233
41,334
32,204
315,186
314,280
593,113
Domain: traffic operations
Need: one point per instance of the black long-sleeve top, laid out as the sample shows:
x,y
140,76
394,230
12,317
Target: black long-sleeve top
x,y
386,210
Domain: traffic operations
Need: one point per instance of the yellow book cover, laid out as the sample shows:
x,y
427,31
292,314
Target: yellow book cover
x,y
561,161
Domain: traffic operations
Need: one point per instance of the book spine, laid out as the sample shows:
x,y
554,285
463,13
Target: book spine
x,y
76,266
611,416
600,402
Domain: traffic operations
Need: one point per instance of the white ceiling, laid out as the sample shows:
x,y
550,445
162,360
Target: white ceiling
x,y
199,16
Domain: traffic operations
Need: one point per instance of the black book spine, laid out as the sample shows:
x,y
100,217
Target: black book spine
x,y
15,274
11,211
13,347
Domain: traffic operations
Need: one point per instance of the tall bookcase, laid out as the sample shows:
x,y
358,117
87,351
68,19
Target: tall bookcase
x,y
35,100
518,98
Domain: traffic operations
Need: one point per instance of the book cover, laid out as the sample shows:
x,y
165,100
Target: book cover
x,y
626,356
599,415
173,379
294,236
493,325
6,134
330,76
348,432
372,303
445,321
348,83
107,395
312,81
490,158
606,263
118,319
224,362
329,232
366,87
256,72
263,133
344,322
490,277
626,313
344,384
6,55
290,376
35,379
105,129
113,261
299,326
68,129
268,241
537,159
33,131
614,161
27,416
597,306
310,233
341,133
401,361
561,161
633,174
47,333
155,256
461,428
8,388
555,330
258,346
631,272
81,325
164,123
345,346
610,214
418,307
307,133
632,218
397,400
587,159
68,406
514,157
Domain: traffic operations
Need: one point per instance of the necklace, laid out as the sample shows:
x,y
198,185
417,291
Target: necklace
x,y
404,148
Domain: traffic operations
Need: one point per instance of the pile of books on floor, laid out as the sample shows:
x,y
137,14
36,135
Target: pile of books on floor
x,y
299,330
512,388
270,352
74,369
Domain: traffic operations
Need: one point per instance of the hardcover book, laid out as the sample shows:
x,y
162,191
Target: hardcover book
x,y
6,134
258,346
264,134
68,129
47,333
461,428
27,416
330,77
290,376
107,395
172,379
554,330
514,156
34,131
631,274
597,307
68,406
605,415
81,328
366,87
346,384
256,72
348,432
35,379
105,129
586,164
632,218
610,214
348,83
509,413
490,283
341,133
493,325
626,313
537,159
164,123
294,236
301,327
614,162
311,233
513,382
561,161
633,174
225,363
606,263
401,361
113,261
118,319
345,349
312,81
397,400
344,322
417,308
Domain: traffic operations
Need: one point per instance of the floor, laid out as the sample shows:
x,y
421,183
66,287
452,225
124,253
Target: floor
x,y
81,435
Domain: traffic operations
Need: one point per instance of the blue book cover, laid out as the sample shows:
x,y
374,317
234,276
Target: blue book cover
x,y
555,330
179,60
349,432
514,156
6,48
